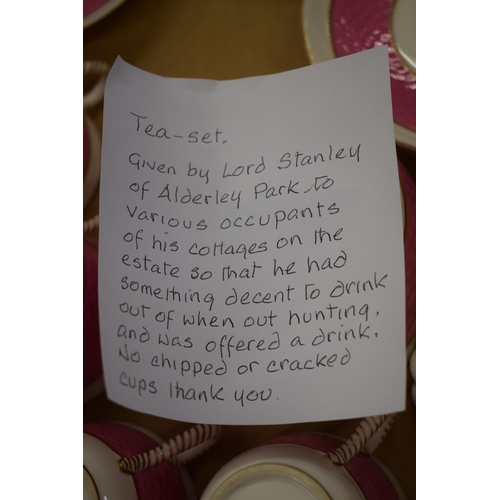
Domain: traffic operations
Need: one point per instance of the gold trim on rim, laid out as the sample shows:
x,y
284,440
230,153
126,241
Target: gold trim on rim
x,y
393,40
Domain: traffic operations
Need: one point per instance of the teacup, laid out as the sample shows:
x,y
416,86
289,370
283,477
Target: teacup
x,y
297,467
104,445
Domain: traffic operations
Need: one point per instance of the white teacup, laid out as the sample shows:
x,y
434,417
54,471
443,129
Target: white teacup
x,y
296,467
104,444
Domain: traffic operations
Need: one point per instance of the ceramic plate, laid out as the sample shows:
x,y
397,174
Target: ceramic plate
x,y
336,28
95,10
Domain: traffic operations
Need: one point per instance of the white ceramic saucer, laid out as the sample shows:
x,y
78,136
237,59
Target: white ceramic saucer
x,y
335,28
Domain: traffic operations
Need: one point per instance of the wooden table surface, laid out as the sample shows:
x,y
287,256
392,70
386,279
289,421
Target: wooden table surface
x,y
223,39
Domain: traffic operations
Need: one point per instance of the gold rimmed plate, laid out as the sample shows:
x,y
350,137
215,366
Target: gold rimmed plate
x,y
336,28
95,10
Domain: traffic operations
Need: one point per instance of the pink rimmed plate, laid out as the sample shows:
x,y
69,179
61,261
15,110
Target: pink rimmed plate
x,y
95,10
336,28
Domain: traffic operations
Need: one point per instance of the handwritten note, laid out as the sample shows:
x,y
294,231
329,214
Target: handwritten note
x,y
251,250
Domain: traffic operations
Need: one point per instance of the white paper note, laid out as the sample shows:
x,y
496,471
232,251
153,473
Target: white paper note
x,y
251,247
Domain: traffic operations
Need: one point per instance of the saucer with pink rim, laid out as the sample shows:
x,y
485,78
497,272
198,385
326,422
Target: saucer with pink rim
x,y
336,28
95,10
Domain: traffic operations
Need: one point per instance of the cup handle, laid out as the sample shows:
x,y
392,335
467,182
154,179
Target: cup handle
x,y
179,450
91,224
367,436
95,69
